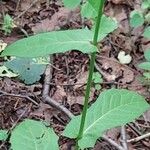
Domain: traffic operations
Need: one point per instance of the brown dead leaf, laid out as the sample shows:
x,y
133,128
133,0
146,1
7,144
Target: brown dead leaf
x,y
119,13
79,99
26,5
60,94
57,21
81,79
112,70
147,116
44,111
113,133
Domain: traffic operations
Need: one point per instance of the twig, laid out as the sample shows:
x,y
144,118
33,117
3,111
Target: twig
x,y
46,97
139,138
113,142
18,95
26,10
17,6
124,138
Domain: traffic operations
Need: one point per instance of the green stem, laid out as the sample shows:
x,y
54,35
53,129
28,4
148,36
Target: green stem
x,y
91,70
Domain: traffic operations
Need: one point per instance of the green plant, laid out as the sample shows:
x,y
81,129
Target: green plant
x,y
3,135
27,69
31,135
146,65
8,24
141,16
97,79
114,107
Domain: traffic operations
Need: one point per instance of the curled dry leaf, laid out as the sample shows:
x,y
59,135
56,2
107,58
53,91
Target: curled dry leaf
x,y
112,70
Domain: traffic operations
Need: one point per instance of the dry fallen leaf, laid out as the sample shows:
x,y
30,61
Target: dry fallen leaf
x,y
57,21
2,45
112,70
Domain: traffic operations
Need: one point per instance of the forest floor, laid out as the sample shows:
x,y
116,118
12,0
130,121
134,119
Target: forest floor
x,y
69,71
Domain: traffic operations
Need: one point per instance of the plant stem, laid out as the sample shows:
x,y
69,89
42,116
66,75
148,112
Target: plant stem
x,y
91,70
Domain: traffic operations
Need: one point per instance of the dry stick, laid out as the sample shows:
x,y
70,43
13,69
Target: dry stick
x,y
139,138
26,10
124,138
18,95
113,143
18,3
46,97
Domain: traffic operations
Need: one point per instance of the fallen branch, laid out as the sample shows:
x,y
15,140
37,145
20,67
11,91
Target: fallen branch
x,y
46,88
18,95
124,138
113,143
139,138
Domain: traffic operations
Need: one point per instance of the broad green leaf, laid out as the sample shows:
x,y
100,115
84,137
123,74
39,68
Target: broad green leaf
x,y
107,26
51,43
144,65
145,4
4,72
90,9
147,54
147,32
29,71
136,18
71,3
3,135
114,107
33,135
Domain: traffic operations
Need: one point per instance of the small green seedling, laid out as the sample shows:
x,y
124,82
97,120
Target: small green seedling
x,y
97,79
8,24
113,107
146,66
141,17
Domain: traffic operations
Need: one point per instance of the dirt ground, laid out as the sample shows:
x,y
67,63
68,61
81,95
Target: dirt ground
x,y
69,71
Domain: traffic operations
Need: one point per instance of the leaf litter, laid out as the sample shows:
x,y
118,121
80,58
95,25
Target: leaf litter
x,y
68,83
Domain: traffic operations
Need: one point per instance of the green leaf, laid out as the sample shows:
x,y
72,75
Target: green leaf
x,y
144,65
7,24
136,18
71,3
33,135
98,86
3,135
147,32
147,54
114,107
107,26
97,77
90,9
145,4
146,75
51,43
29,71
